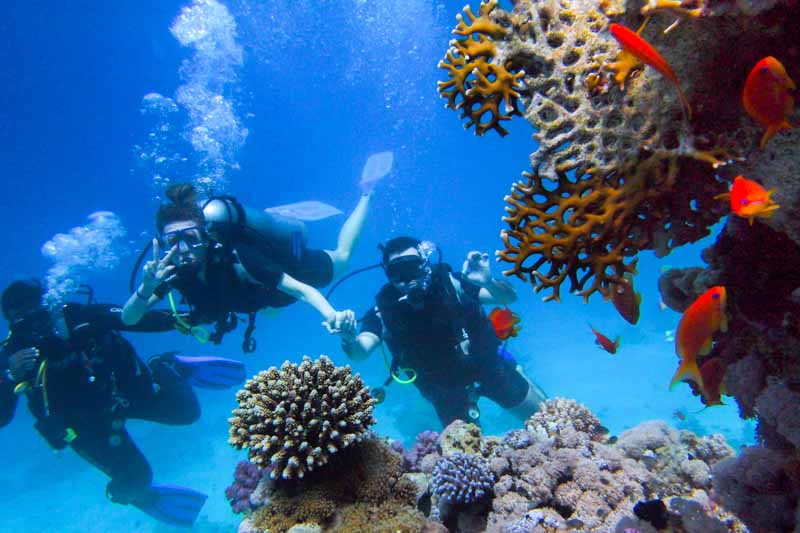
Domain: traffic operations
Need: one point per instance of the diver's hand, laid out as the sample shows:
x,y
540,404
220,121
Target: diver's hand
x,y
476,268
22,363
158,271
342,322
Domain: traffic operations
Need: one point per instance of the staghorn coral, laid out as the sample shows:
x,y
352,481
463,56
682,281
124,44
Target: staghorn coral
x,y
480,80
462,479
295,418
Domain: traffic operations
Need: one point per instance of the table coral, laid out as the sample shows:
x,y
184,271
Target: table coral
x,y
293,419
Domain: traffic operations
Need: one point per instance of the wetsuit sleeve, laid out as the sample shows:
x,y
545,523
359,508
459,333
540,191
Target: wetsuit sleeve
x,y
371,323
8,400
104,317
262,267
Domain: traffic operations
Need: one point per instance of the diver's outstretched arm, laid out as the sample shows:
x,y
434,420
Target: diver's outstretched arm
x,y
334,321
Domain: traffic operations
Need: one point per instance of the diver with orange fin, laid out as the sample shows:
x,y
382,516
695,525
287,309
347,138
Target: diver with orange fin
x,y
439,335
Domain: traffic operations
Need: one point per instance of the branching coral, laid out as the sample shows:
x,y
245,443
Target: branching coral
x,y
562,420
462,479
295,418
480,81
615,171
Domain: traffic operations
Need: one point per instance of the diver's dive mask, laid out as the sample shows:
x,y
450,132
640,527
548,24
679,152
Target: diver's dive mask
x,y
190,243
34,328
411,274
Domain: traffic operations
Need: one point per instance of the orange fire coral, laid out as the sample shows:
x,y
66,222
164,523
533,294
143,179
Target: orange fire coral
x,y
479,80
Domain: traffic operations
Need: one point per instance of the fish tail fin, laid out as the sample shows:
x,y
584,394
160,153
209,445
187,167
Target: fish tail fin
x,y
687,371
616,343
772,130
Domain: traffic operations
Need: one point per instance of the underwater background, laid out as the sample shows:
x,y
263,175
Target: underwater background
x,y
106,103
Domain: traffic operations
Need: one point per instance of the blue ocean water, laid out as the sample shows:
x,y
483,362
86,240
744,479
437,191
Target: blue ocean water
x,y
307,90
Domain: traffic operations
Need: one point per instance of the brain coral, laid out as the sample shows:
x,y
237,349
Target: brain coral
x,y
293,419
618,167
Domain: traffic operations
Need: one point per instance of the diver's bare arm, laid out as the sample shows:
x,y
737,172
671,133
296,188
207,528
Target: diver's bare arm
x,y
136,307
498,292
306,293
359,348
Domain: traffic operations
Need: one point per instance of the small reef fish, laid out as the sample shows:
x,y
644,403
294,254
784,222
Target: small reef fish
x,y
627,300
604,342
713,372
749,199
635,45
768,98
504,321
679,414
695,334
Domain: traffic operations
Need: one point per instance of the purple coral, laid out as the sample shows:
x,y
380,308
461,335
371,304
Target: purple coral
x,y
245,480
462,479
518,439
426,444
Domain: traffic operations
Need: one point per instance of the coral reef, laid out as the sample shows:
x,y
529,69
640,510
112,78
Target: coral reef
x,y
426,444
245,480
481,80
294,419
618,168
362,488
562,475
462,479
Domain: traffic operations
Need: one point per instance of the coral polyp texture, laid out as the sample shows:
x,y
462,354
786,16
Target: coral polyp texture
x,y
462,479
482,84
294,418
618,167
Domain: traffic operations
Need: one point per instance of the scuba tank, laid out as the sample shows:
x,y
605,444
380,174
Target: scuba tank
x,y
226,218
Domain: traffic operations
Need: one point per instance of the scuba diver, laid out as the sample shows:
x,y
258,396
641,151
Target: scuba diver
x,y
224,258
441,340
83,380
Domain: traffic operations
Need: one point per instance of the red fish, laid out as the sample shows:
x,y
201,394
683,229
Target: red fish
x,y
713,373
768,98
604,342
750,200
504,322
635,45
695,335
626,299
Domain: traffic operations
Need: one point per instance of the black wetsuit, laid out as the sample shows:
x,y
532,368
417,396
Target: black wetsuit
x,y
430,340
92,382
243,278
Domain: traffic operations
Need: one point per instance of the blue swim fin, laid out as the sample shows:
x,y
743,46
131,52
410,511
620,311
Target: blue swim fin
x,y
210,372
173,504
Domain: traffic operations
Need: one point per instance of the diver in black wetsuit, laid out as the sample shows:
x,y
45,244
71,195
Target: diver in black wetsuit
x,y
440,338
83,380
224,259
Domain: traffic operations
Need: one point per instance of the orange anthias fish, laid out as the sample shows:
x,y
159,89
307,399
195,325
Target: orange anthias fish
x,y
750,200
713,372
636,46
626,299
696,330
504,322
768,98
604,342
